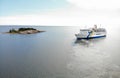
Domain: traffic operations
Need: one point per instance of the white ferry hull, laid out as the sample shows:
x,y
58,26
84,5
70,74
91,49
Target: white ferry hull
x,y
91,33
90,37
86,34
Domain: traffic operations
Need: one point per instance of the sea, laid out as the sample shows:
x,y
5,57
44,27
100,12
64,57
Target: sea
x,y
56,53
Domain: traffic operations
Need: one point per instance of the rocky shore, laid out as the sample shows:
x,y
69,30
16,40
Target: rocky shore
x,y
24,31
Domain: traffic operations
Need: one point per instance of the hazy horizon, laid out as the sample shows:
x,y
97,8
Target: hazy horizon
x,y
59,12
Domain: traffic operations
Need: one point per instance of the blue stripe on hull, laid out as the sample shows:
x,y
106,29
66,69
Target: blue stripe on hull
x,y
92,37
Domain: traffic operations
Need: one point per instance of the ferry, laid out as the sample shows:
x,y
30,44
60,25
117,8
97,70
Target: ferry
x,y
91,33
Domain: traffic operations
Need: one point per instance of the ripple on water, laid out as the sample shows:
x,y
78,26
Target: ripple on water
x,y
90,61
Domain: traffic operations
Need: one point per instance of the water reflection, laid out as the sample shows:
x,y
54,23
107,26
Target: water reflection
x,y
92,59
55,54
89,42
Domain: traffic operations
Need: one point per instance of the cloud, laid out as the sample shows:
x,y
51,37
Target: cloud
x,y
72,16
96,4
46,19
57,20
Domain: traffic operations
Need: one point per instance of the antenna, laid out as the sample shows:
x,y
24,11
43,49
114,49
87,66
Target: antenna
x,y
100,25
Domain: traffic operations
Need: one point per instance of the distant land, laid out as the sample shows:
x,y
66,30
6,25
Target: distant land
x,y
24,31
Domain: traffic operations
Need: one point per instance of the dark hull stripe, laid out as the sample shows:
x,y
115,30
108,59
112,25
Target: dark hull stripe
x,y
92,37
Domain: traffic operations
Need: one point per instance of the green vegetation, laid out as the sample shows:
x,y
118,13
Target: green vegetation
x,y
24,31
13,31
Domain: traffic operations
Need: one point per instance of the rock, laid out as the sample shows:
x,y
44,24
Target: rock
x,y
24,31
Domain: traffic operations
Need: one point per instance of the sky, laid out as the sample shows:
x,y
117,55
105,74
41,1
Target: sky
x,y
59,12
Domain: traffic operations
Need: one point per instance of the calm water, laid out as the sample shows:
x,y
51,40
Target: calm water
x,y
57,54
